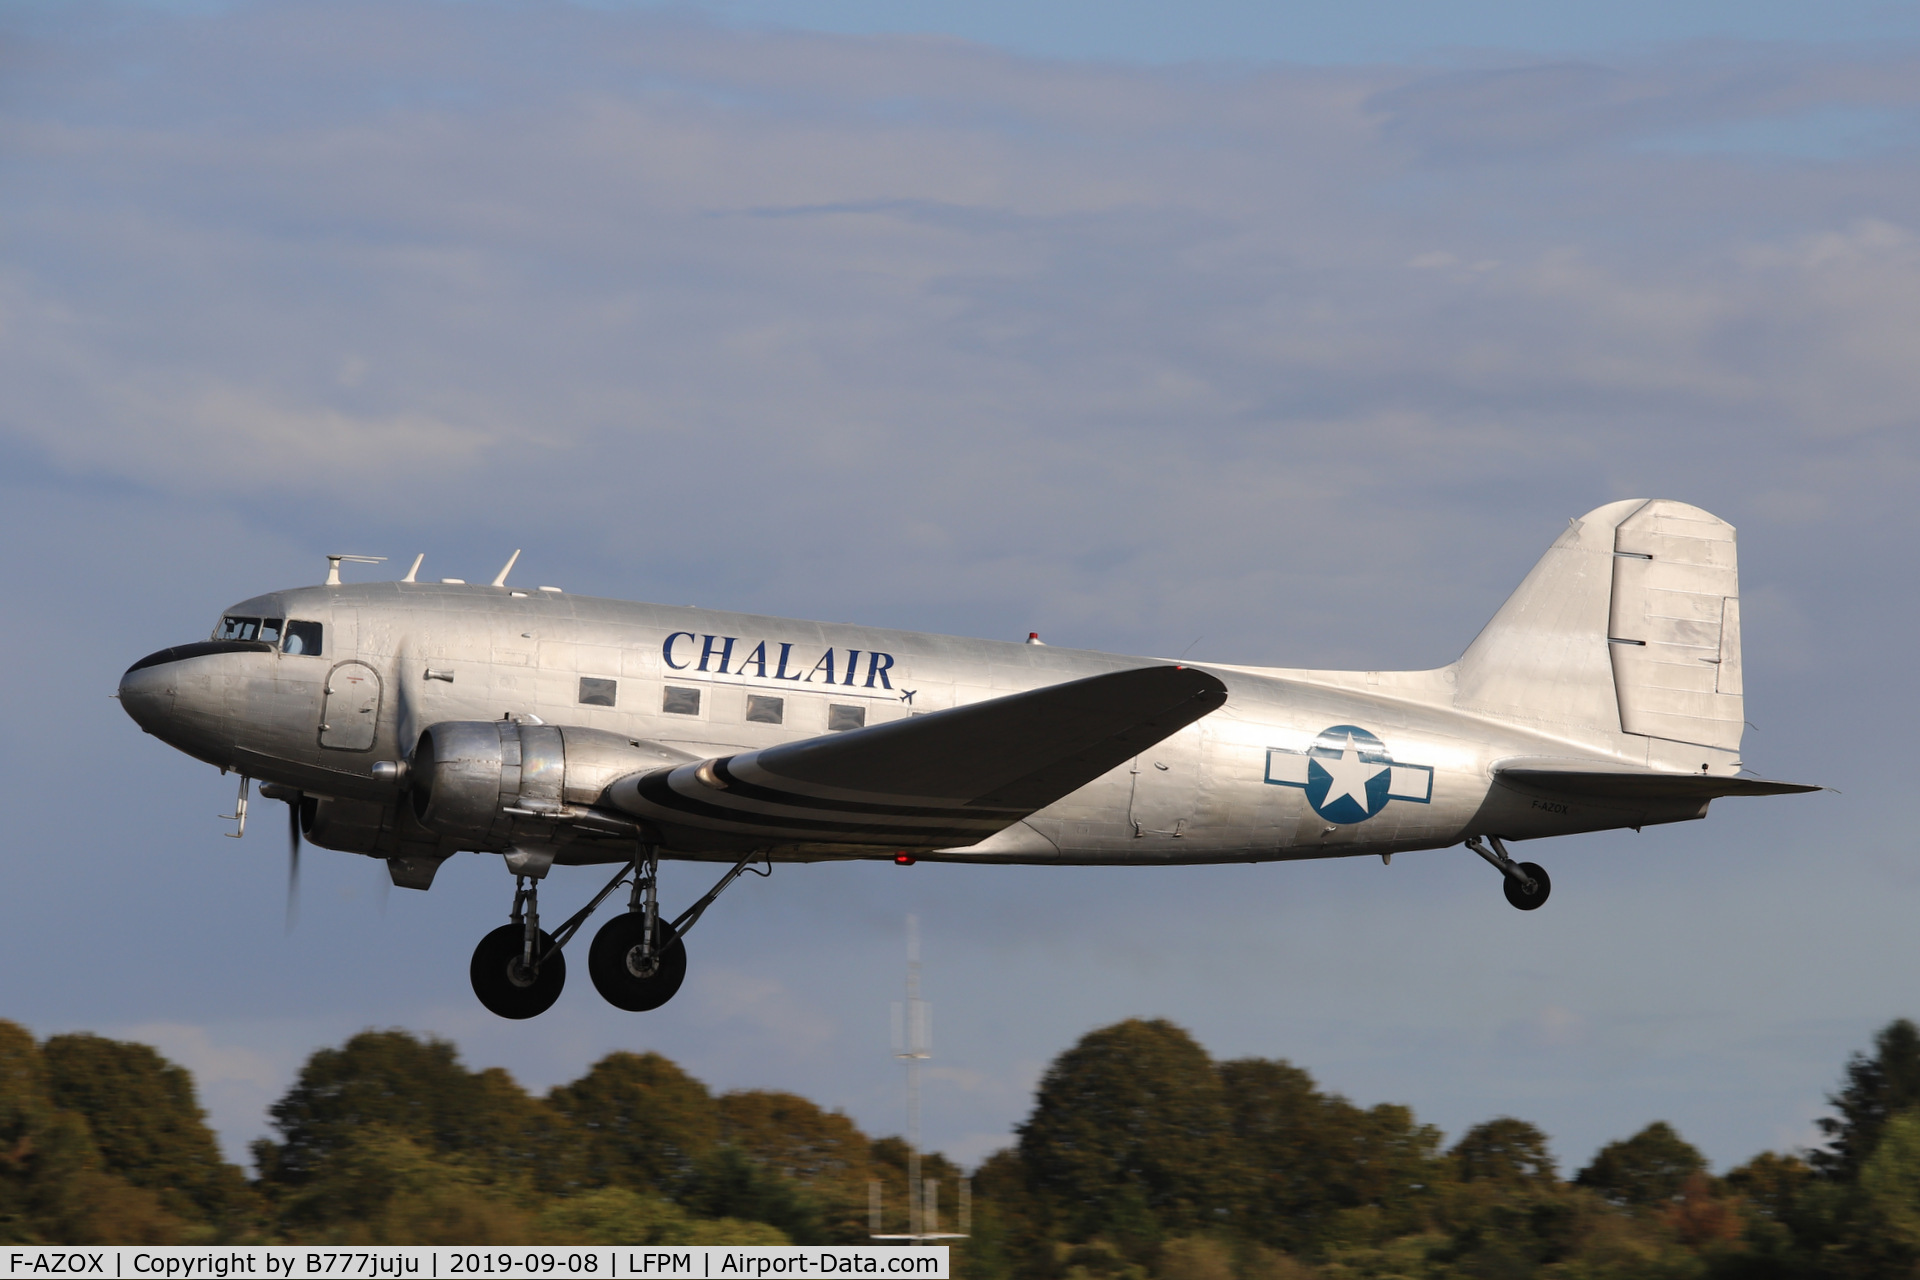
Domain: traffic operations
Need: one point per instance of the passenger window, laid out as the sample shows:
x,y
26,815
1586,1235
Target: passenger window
x,y
270,630
236,628
595,692
681,702
303,637
764,710
840,718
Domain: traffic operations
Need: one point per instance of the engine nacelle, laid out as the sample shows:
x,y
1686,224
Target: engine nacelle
x,y
473,781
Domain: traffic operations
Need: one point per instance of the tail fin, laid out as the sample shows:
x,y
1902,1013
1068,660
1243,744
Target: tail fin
x,y
1626,635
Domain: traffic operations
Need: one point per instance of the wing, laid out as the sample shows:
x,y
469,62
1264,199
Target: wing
x,y
935,781
1586,780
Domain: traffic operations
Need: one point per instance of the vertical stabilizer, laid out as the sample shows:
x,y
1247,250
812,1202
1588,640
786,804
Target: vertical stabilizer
x,y
1543,659
1627,630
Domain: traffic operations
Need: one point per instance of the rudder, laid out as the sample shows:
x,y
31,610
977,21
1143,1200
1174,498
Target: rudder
x,y
1628,628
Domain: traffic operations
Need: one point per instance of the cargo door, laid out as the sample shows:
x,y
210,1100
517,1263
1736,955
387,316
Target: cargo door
x,y
350,715
1674,627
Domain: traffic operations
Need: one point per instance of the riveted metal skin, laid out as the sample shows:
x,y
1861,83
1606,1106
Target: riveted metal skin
x,y
578,726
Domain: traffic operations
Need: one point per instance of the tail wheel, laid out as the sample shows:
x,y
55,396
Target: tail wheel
x,y
504,983
618,969
1517,893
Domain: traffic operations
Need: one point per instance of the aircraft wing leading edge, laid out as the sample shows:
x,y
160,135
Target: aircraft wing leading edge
x,y
940,780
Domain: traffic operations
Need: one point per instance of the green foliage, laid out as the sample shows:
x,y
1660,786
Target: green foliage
x,y
57,1186
1890,1197
822,1152
1506,1151
1876,1089
1129,1136
417,1088
731,1184
378,1185
1771,1184
644,1121
1142,1160
1645,1170
618,1215
148,1128
1302,1158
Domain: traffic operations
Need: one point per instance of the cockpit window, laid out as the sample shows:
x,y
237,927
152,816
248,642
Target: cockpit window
x,y
303,637
233,627
270,630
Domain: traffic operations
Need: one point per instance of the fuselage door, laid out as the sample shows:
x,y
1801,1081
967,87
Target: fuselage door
x,y
351,712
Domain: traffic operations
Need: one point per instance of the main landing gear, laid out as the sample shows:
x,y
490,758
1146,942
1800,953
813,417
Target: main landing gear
x,y
637,960
1526,883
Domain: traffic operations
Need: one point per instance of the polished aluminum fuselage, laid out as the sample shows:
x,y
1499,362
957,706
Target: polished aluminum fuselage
x,y
1219,790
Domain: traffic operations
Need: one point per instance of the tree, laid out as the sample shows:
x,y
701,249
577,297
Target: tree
x,y
730,1184
887,1164
1771,1184
147,1126
43,1155
1506,1151
1644,1171
620,1215
417,1088
646,1122
381,1186
52,1188
1130,1135
1889,1185
823,1151
1302,1156
1876,1088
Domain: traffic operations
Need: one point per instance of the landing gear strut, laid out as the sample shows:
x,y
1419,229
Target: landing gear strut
x,y
1526,883
517,971
637,960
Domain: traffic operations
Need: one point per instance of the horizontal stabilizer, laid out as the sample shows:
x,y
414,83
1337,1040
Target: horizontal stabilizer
x,y
945,779
1637,785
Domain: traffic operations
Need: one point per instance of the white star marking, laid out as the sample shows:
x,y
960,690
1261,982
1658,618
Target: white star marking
x,y
1350,776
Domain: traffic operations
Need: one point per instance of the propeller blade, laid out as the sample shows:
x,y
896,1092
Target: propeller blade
x,y
293,861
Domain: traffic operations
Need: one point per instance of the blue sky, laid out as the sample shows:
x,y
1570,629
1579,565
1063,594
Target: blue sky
x,y
1287,339
1249,31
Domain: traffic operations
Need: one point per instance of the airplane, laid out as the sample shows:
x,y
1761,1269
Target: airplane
x,y
412,720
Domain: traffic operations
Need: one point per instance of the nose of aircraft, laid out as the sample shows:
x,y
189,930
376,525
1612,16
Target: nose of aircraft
x,y
147,692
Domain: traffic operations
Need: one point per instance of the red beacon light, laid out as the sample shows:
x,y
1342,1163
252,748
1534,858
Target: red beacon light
x,y
903,859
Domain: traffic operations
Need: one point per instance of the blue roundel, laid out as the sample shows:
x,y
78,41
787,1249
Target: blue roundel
x,y
1348,774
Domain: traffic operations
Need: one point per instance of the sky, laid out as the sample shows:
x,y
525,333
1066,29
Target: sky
x,y
1269,337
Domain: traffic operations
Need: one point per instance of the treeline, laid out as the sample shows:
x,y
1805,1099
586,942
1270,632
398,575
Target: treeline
x,y
1143,1159
389,1139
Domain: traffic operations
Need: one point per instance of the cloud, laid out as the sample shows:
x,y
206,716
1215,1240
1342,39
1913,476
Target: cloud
x,y
1310,362
1037,330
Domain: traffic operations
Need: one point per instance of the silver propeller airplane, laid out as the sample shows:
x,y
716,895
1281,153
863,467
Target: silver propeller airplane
x,y
411,720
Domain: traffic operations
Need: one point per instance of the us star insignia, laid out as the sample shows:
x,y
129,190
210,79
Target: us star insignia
x,y
1349,775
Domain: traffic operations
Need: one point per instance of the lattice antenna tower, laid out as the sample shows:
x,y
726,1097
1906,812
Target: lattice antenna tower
x,y
913,1045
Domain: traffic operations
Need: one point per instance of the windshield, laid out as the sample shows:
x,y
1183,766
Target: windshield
x,y
236,627
292,635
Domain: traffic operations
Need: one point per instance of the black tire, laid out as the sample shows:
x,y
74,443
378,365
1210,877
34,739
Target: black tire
x,y
607,962
1517,893
504,986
